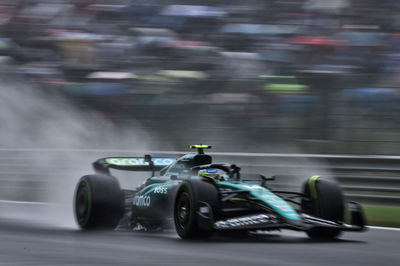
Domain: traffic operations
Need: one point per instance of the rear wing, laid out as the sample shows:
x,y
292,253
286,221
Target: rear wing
x,y
146,163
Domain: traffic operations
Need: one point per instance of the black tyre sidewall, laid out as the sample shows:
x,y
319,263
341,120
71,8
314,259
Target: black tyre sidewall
x,y
188,230
330,202
328,205
106,203
198,191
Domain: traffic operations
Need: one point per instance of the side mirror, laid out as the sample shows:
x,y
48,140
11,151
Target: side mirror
x,y
235,171
270,178
257,177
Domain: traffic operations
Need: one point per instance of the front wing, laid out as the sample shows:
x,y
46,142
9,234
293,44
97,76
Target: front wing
x,y
307,222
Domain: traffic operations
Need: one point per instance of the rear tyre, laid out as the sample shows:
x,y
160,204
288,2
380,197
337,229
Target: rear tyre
x,y
327,203
99,202
195,209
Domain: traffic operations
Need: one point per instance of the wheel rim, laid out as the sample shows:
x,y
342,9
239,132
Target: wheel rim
x,y
82,203
183,210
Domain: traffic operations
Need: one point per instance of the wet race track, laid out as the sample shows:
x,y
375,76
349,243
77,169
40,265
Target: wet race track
x,y
35,244
29,236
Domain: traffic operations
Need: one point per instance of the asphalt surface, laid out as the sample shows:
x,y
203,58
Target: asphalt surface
x,y
24,243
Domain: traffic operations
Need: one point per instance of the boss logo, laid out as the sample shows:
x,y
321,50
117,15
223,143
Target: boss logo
x,y
160,190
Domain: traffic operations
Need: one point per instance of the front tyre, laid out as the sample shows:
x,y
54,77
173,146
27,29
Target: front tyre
x,y
99,202
326,202
195,209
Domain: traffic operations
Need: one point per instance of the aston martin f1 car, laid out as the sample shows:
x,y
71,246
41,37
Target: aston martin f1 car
x,y
199,198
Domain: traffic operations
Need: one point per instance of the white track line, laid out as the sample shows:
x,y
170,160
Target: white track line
x,y
24,202
384,228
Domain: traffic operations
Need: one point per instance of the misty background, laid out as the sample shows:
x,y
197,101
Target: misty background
x,y
261,76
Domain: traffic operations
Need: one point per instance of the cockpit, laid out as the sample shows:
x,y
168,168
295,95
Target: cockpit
x,y
185,164
200,164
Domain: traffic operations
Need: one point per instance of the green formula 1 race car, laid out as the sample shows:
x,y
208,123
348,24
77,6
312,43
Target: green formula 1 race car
x,y
199,198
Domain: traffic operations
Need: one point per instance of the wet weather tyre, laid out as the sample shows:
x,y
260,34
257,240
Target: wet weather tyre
x,y
99,202
191,196
328,204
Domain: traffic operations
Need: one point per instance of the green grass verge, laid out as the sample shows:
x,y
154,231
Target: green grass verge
x,y
382,215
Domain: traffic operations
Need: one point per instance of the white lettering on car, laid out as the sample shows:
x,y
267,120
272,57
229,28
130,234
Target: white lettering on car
x,y
160,190
163,161
137,161
127,161
141,201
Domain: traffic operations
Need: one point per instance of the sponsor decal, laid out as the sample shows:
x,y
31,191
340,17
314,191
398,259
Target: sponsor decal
x,y
137,161
259,219
161,190
141,201
204,209
163,161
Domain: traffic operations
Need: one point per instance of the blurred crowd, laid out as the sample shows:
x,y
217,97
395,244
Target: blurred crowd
x,y
320,74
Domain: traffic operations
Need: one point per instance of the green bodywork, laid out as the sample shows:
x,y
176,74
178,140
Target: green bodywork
x,y
264,197
159,190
